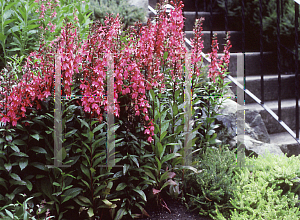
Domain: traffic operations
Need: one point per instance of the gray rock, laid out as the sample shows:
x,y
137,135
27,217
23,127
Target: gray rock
x,y
254,125
290,149
255,147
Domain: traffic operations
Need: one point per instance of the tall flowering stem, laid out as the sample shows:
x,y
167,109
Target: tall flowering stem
x,y
140,64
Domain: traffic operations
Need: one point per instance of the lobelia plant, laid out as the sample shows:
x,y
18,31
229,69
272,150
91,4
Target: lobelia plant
x,y
137,70
212,94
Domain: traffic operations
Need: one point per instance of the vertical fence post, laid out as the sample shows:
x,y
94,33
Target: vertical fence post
x,y
188,125
296,68
261,54
110,136
240,111
226,16
278,60
243,37
57,116
211,22
197,9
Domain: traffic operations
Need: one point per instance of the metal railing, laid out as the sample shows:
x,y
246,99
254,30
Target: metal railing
x,y
279,5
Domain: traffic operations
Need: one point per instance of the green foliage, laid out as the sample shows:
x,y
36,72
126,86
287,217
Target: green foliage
x,y
269,12
19,26
21,211
213,186
129,14
207,99
266,190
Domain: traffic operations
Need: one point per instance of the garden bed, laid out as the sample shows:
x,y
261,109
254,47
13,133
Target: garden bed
x,y
178,211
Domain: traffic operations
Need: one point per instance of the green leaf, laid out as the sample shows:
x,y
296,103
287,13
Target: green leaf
x,y
39,150
99,127
165,55
2,140
15,177
164,176
108,203
163,135
19,154
169,182
135,160
9,214
90,212
9,6
158,164
85,200
71,193
121,212
175,109
85,171
152,96
18,142
7,166
56,184
36,136
30,27
15,148
142,194
84,123
150,174
28,185
121,186
23,163
8,138
170,157
70,133
125,168
160,150
39,166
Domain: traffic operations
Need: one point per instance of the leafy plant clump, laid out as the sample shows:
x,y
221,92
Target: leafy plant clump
x,y
267,189
214,185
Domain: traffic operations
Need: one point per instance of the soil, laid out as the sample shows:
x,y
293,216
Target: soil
x,y
178,212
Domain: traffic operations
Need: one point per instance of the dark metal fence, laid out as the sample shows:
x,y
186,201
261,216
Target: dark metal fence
x,y
279,11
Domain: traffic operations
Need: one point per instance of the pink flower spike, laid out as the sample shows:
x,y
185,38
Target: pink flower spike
x,y
150,139
5,119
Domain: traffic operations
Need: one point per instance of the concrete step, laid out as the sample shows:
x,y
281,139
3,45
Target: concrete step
x,y
190,5
235,38
288,109
218,21
252,63
253,84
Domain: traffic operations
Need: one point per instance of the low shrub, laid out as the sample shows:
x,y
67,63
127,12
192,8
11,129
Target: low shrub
x,y
266,189
214,186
